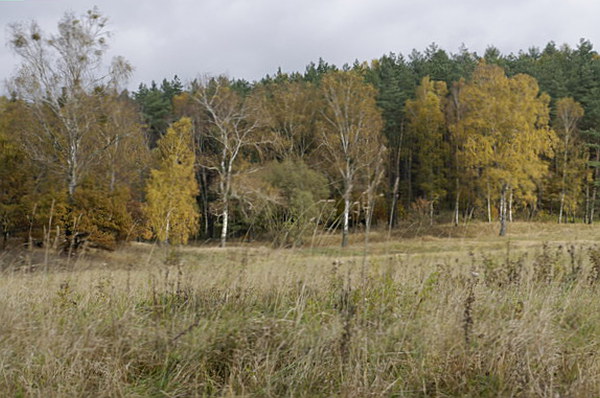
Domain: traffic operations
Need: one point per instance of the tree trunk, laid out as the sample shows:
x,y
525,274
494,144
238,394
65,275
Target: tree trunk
x,y
409,180
72,184
393,213
457,204
489,205
503,211
530,213
225,186
562,206
510,202
346,220
586,217
168,228
593,205
369,215
594,188
225,213
70,223
396,188
431,208
563,180
203,202
225,216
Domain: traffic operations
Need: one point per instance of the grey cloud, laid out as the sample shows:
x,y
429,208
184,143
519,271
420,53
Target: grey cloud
x,y
250,38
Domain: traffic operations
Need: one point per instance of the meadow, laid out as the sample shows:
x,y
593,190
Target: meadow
x,y
438,311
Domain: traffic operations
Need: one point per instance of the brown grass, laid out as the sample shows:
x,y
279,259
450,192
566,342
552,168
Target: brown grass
x,y
450,313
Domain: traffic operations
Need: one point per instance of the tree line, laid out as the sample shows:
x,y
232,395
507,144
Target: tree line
x,y
432,136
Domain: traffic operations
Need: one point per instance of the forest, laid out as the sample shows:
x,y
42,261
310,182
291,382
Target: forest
x,y
429,137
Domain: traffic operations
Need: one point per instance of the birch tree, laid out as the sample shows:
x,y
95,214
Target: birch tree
x,y
59,79
350,131
232,125
507,138
571,165
291,109
172,187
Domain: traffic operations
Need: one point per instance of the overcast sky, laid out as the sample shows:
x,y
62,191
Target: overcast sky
x,y
250,38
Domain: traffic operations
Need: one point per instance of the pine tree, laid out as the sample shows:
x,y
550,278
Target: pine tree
x,y
395,81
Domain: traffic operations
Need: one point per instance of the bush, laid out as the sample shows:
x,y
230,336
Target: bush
x,y
297,201
102,216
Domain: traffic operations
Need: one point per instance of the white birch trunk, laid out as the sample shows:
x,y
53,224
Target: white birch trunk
x,y
225,220
562,206
346,221
503,211
510,203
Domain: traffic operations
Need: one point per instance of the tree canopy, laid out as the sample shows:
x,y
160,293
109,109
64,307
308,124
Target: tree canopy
x,y
431,135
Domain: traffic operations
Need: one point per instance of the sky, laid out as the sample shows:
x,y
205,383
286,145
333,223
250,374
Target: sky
x,y
251,38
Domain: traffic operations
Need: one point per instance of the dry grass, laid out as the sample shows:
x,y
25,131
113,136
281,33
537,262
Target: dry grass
x,y
452,313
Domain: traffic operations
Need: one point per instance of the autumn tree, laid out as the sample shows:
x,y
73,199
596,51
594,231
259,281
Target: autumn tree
x,y
350,131
15,174
58,78
126,157
290,110
172,187
232,124
506,134
454,112
373,174
570,159
427,128
116,182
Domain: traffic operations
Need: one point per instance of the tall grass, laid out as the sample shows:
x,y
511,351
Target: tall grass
x,y
520,319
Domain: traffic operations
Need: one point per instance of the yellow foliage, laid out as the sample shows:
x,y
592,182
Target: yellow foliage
x,y
426,128
504,132
290,110
352,123
172,188
103,215
571,157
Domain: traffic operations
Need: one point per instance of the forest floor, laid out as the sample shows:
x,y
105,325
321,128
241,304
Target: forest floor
x,y
442,311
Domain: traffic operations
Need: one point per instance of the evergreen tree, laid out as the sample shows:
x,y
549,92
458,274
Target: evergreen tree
x,y
395,83
156,105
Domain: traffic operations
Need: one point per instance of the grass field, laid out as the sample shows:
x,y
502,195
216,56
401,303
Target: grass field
x,y
441,311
